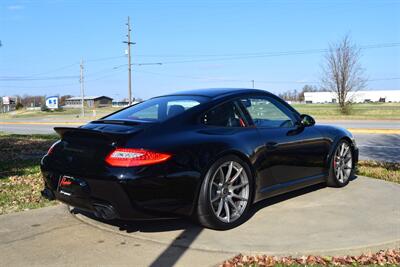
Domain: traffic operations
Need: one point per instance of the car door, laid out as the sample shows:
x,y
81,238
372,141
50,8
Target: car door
x,y
291,153
228,123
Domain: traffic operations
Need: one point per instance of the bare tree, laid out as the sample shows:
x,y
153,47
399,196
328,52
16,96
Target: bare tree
x,y
342,71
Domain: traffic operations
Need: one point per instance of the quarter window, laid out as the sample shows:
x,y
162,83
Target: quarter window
x,y
225,115
266,114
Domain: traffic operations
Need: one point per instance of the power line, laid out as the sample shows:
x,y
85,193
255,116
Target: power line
x,y
105,76
319,50
209,57
208,79
224,57
31,76
24,78
220,57
37,87
383,79
55,70
61,85
104,59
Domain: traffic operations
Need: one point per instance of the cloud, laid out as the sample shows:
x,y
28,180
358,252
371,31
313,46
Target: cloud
x,y
15,7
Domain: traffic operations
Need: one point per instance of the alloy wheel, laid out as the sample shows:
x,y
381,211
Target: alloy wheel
x,y
229,191
343,162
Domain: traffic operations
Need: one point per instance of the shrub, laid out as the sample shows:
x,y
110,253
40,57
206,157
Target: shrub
x,y
44,108
19,106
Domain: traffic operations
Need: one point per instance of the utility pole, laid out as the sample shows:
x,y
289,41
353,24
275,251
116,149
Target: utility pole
x,y
81,81
252,81
129,43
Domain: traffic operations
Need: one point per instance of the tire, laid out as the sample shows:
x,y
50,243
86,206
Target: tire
x,y
342,165
224,203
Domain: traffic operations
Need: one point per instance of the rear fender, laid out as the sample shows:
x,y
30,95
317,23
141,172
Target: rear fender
x,y
237,153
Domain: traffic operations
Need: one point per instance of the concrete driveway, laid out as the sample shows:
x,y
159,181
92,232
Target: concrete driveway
x,y
362,217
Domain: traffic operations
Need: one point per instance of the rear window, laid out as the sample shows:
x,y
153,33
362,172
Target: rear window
x,y
158,109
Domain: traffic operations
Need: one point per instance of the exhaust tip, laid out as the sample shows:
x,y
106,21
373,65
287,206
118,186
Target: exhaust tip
x,y
105,212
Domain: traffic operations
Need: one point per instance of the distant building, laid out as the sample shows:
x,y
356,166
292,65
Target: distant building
x,y
89,101
7,104
120,103
355,97
123,103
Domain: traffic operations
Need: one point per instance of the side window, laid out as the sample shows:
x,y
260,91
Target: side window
x,y
225,115
266,113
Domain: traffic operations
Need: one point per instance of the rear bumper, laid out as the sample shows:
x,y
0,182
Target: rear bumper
x,y
159,195
112,205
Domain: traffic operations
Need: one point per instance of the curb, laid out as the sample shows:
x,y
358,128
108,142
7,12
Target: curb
x,y
330,252
373,131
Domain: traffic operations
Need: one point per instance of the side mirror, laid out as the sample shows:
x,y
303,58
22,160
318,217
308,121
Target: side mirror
x,y
306,120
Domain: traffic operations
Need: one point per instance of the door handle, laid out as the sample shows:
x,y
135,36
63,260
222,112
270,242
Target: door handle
x,y
271,145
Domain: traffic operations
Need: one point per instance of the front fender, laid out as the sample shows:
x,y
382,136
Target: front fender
x,y
335,134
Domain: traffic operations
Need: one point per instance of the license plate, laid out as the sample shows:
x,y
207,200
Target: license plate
x,y
64,183
72,186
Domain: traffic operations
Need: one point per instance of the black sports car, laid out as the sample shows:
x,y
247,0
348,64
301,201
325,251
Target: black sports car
x,y
211,153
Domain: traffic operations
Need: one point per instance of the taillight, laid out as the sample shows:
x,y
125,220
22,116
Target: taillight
x,y
130,157
51,149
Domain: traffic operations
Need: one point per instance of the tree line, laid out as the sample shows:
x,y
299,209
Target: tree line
x,y
36,100
298,95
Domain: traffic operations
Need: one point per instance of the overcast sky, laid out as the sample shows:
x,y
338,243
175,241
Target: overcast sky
x,y
201,43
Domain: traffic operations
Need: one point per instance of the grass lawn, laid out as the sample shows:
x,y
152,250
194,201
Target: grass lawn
x,y
387,171
20,179
67,113
371,111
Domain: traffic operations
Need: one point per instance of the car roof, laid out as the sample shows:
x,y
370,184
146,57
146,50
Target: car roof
x,y
217,92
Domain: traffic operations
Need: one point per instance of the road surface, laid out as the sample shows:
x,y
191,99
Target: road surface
x,y
364,124
31,128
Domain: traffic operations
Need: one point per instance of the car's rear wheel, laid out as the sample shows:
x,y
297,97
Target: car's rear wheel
x,y
226,194
342,165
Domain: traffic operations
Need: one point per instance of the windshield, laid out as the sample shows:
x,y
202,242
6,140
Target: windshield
x,y
158,109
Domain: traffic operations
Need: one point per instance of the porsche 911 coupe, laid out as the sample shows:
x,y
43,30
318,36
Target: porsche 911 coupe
x,y
208,153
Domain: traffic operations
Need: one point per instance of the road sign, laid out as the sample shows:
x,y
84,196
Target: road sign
x,y
6,100
52,102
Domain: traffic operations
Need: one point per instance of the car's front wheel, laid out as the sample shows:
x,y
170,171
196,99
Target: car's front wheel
x,y
226,194
342,165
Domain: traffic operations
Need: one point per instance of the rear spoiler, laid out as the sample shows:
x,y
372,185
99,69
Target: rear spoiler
x,y
81,132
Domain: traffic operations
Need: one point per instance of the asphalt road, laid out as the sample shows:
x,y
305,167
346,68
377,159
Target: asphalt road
x,y
364,124
31,128
381,147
